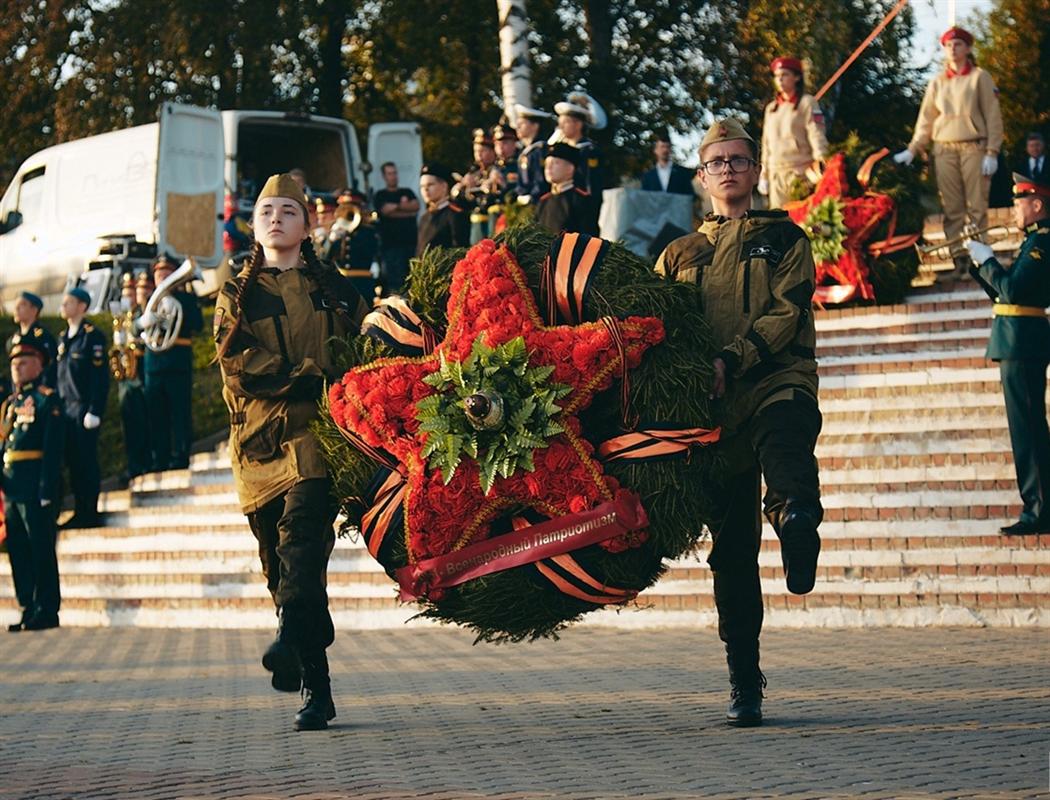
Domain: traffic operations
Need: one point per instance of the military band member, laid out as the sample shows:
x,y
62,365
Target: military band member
x,y
445,223
272,326
27,316
756,276
169,379
83,384
506,139
574,116
125,365
566,207
960,116
794,144
31,421
531,183
1020,342
478,189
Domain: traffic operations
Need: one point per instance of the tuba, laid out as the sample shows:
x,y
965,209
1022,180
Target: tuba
x,y
165,310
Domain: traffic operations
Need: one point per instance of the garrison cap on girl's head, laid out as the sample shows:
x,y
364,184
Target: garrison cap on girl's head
x,y
283,185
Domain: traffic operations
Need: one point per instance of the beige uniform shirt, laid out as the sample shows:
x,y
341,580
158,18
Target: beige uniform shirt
x,y
273,375
962,108
793,137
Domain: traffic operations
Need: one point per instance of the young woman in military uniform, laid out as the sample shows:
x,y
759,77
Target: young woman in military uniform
x,y
273,322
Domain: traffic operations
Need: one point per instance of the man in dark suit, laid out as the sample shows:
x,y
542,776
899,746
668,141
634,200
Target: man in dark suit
x,y
1034,165
1020,342
666,176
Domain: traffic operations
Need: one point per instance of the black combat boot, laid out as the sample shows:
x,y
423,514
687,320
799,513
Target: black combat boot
x,y
282,656
747,681
318,708
796,525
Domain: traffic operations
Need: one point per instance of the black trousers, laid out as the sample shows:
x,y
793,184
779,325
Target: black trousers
x,y
134,416
31,550
396,266
1024,388
169,395
780,441
81,457
295,537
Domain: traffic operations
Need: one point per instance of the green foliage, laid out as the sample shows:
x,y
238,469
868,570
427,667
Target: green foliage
x,y
530,409
826,230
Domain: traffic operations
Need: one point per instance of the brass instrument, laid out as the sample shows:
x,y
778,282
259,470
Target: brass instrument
x,y
165,311
925,251
127,351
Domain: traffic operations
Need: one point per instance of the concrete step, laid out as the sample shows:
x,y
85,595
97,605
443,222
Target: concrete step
x,y
900,319
859,364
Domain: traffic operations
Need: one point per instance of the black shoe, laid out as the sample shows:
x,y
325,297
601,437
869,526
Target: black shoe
x,y
1022,528
41,622
282,657
71,523
15,627
317,711
799,548
747,681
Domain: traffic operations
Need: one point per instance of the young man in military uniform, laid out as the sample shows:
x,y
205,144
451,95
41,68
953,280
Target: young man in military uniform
x,y
169,379
574,115
1020,342
26,315
31,421
756,275
506,139
476,190
125,363
445,223
531,183
83,383
566,207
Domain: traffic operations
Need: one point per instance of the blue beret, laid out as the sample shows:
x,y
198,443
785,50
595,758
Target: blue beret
x,y
80,294
34,299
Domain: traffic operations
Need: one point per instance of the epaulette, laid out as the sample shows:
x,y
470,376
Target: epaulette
x,y
454,207
88,327
47,391
37,332
581,192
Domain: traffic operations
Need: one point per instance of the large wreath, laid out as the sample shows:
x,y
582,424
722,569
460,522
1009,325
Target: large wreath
x,y
473,433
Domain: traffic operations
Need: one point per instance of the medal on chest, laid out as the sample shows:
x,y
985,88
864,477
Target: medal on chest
x,y
25,414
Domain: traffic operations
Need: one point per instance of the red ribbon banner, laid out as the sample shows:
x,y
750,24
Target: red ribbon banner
x,y
553,537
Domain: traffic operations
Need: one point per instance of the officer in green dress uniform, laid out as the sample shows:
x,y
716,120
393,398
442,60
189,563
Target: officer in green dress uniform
x,y
27,316
83,384
169,381
1020,342
31,421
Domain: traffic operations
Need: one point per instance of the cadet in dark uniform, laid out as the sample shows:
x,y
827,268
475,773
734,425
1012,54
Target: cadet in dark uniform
x,y
1020,342
531,183
445,223
31,421
125,366
574,115
169,380
566,207
756,274
27,316
272,326
83,383
506,139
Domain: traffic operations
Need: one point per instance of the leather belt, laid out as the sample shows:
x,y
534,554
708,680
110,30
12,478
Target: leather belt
x,y
1009,310
183,343
10,456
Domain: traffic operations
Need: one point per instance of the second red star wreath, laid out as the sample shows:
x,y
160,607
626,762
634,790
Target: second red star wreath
x,y
522,438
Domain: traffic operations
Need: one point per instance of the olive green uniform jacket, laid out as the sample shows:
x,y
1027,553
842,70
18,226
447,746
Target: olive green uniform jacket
x,y
274,373
756,277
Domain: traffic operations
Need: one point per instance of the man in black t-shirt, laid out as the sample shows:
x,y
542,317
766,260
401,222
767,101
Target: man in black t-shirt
x,y
397,207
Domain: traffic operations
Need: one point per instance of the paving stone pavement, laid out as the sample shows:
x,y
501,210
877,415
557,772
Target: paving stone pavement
x,y
600,714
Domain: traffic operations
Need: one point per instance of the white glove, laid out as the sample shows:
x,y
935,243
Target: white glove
x,y
44,502
91,421
763,186
989,164
904,157
147,320
979,251
374,270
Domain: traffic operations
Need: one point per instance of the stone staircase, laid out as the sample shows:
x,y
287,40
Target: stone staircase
x,y
916,471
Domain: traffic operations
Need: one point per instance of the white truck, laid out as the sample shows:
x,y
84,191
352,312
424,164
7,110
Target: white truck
x,y
109,203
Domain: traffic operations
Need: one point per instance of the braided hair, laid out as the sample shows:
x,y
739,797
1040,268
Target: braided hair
x,y
243,282
324,275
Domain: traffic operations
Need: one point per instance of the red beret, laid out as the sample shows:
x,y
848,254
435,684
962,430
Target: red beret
x,y
957,33
787,62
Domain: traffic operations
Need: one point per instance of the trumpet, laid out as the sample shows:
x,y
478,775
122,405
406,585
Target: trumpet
x,y
925,251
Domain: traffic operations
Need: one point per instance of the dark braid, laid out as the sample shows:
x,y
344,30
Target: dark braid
x,y
325,276
249,275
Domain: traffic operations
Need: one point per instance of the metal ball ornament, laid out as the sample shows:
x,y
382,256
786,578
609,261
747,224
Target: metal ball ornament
x,y
484,410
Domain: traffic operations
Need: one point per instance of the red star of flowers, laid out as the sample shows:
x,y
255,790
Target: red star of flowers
x,y
861,215
489,294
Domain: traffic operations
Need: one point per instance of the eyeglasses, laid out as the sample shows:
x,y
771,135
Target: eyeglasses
x,y
717,166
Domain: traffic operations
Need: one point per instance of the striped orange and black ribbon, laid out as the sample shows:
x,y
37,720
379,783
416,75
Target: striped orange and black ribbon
x,y
396,324
656,442
384,519
570,265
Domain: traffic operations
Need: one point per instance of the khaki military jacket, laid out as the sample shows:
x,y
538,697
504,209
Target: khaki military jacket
x,y
756,277
962,108
273,375
793,134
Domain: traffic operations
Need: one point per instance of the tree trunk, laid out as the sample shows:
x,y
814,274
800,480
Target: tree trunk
x,y
332,71
514,55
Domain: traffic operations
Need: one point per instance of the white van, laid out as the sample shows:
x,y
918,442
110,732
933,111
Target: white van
x,y
163,187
